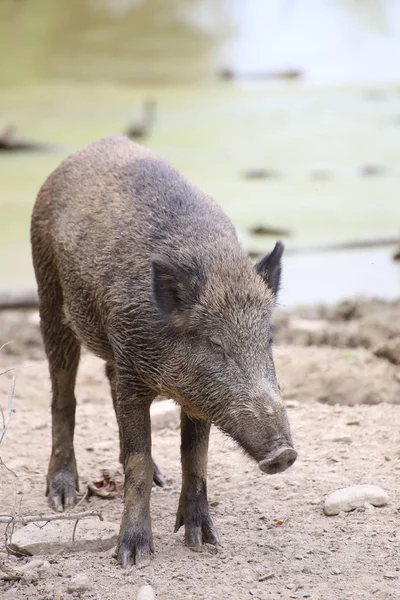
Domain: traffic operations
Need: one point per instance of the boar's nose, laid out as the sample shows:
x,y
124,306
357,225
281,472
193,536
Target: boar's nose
x,y
279,461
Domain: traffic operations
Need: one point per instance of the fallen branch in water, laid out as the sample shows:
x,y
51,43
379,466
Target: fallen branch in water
x,y
351,245
18,300
11,142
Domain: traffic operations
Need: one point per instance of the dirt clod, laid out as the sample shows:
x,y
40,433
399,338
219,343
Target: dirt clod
x,y
79,583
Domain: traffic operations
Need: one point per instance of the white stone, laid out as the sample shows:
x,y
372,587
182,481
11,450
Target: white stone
x,y
79,583
56,537
146,592
355,496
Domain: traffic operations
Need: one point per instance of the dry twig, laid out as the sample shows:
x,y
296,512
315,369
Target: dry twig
x,y
47,518
9,573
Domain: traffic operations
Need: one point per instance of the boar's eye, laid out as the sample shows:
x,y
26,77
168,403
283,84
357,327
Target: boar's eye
x,y
217,346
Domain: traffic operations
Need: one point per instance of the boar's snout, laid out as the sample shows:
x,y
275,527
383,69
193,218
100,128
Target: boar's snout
x,y
280,460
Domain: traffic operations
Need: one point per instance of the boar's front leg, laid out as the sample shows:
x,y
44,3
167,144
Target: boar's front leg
x,y
133,414
193,510
158,478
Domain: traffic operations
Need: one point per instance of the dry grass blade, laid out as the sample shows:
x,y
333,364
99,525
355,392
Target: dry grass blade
x,y
5,344
7,371
7,419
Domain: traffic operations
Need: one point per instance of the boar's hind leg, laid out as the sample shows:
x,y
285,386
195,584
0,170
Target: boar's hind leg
x,y
158,479
63,352
193,510
133,414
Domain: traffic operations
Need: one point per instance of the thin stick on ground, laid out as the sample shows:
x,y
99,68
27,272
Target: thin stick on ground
x,y
84,497
47,518
9,573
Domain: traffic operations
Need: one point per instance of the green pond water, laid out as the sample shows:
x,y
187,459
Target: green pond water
x,y
73,76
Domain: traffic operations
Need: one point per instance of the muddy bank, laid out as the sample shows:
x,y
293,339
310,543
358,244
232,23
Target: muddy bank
x,y
349,324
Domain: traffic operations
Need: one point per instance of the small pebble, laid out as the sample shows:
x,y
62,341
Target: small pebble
x,y
355,496
45,570
57,594
146,592
79,583
314,501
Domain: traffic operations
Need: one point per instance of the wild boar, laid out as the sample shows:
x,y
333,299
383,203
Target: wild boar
x,y
147,272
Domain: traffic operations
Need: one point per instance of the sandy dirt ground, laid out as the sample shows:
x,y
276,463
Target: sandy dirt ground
x,y
340,375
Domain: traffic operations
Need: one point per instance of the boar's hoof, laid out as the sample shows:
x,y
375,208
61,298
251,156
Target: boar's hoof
x,y
134,550
158,478
197,536
62,485
199,532
278,461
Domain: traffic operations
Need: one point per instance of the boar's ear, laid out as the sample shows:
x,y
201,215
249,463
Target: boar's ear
x,y
176,287
269,268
